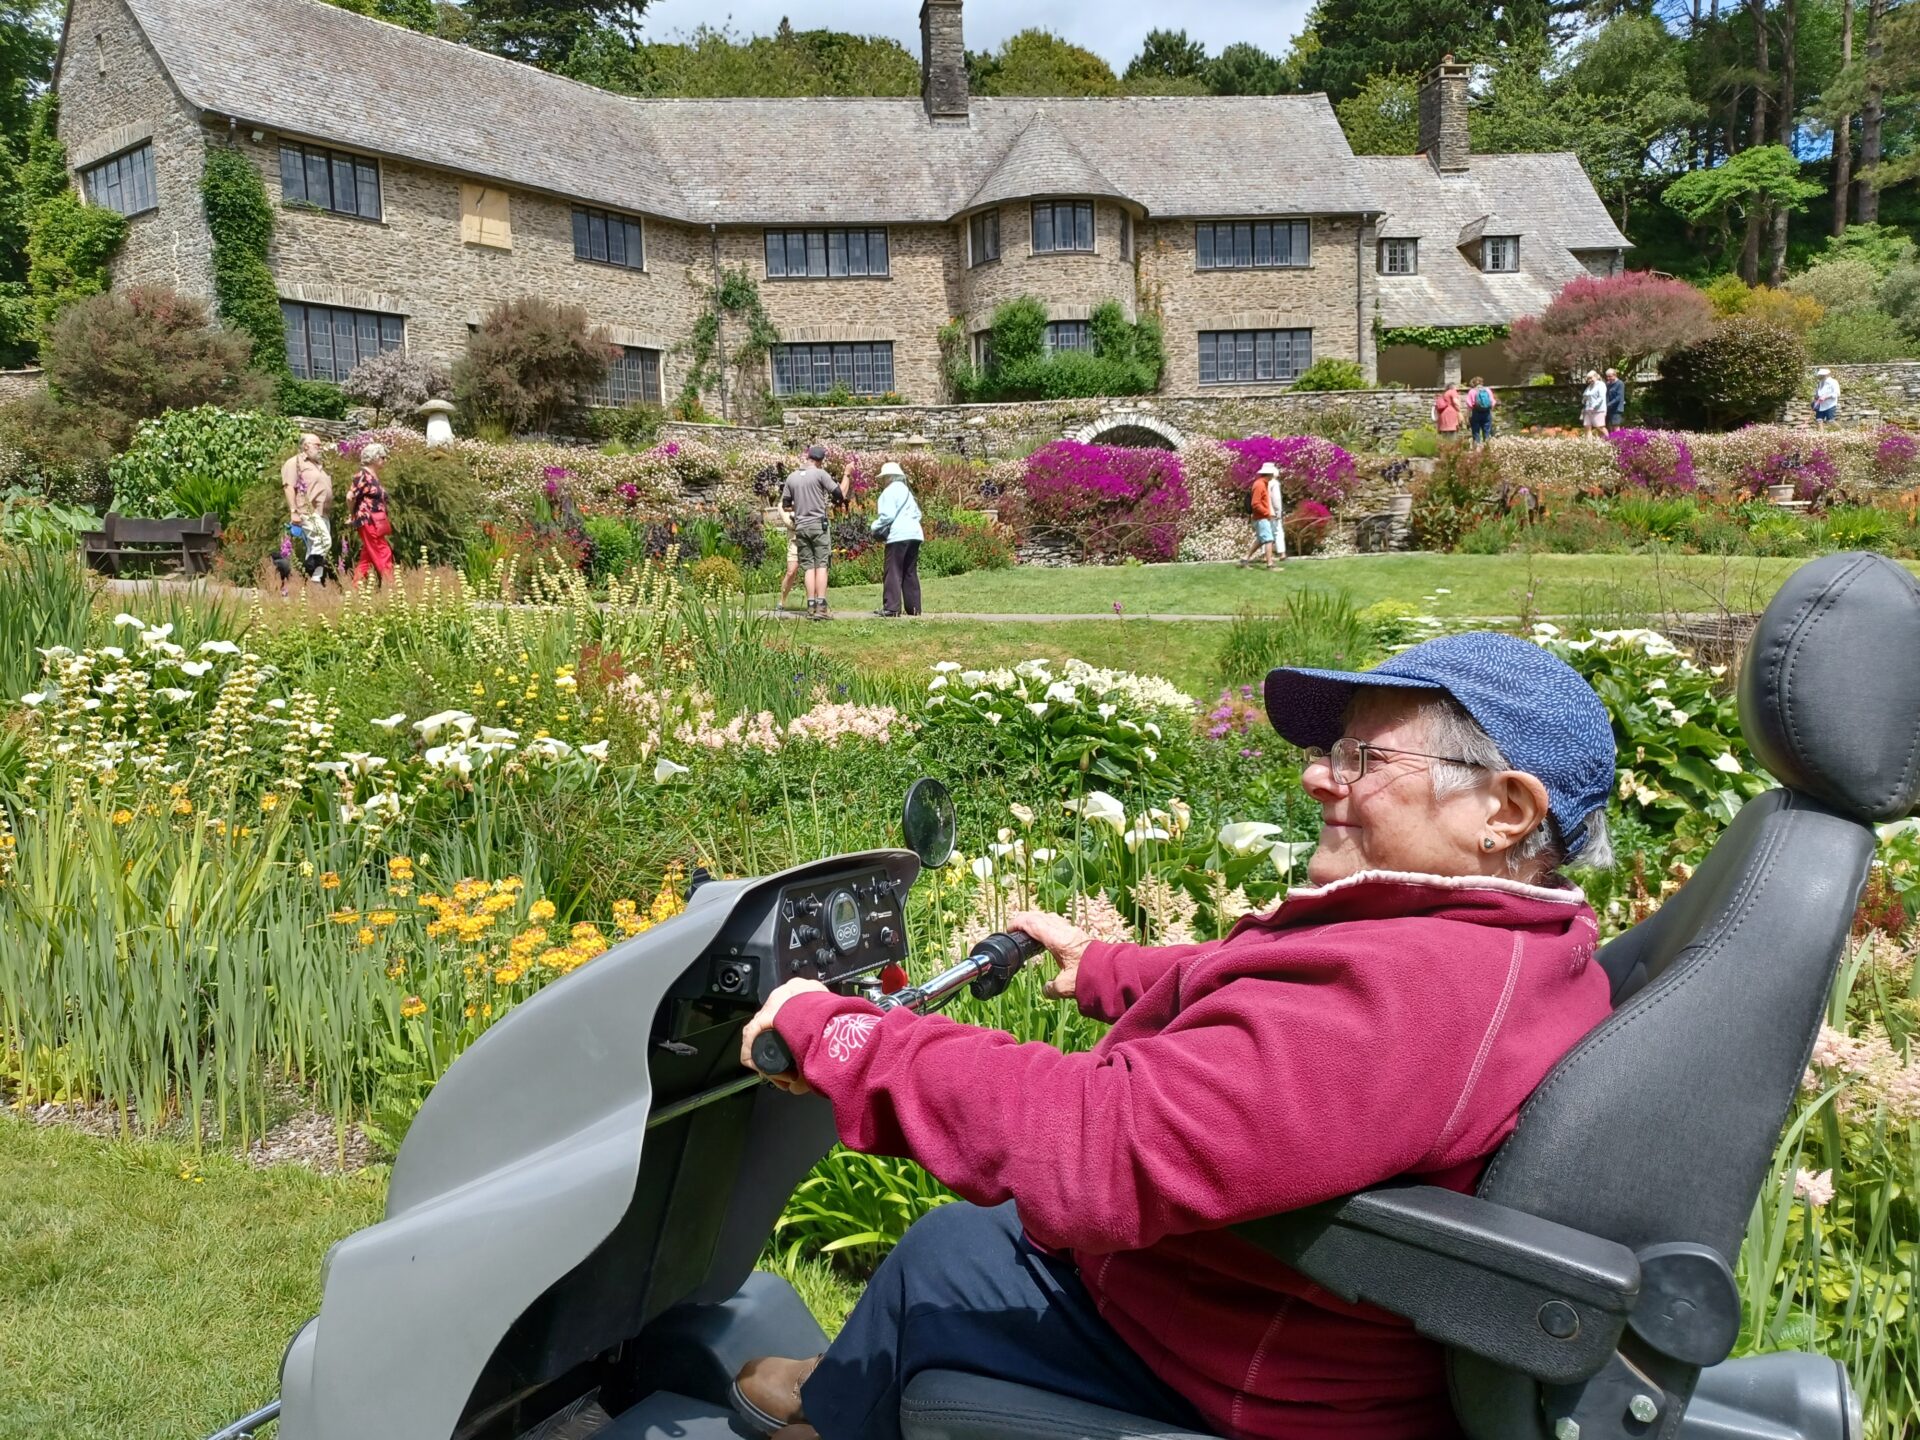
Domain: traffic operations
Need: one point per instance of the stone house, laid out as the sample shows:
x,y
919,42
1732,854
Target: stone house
x,y
420,182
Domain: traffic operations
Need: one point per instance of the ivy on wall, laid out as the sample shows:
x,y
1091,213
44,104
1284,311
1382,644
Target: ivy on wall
x,y
1443,337
736,296
69,244
240,220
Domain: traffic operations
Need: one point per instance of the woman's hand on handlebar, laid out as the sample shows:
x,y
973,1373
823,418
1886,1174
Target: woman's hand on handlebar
x,y
763,1020
1064,940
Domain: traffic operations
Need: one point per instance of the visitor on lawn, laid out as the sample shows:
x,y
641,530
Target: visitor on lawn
x,y
367,514
896,524
1267,534
302,470
1480,403
1593,403
1446,412
1385,1022
1826,397
1616,400
805,495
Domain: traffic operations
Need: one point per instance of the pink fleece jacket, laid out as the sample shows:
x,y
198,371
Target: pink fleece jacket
x,y
1384,1026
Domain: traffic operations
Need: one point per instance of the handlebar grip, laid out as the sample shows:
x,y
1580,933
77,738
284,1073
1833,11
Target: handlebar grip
x,y
770,1054
1006,952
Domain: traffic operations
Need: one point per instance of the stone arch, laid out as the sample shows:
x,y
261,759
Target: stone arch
x,y
1130,427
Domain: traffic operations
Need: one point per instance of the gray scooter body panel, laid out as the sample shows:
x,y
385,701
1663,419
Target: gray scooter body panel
x,y
521,1162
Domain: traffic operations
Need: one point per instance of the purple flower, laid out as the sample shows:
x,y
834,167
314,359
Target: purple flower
x,y
1116,500
552,488
1116,607
1893,457
1811,472
558,472
1653,460
628,491
1310,467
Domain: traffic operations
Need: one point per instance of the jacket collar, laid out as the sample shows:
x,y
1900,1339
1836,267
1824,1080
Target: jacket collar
x,y
1383,894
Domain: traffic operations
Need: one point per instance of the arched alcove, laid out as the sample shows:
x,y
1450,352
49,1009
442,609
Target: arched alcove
x,y
1141,431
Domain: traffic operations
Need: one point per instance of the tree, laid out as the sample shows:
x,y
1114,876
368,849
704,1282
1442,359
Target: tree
x,y
530,362
716,62
1167,55
421,15
1243,69
1622,321
545,32
128,356
1383,118
1357,39
1741,371
1038,62
1747,185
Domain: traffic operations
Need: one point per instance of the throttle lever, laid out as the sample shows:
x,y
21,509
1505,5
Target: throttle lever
x,y
1005,953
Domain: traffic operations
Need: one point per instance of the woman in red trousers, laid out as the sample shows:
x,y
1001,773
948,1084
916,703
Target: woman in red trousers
x,y
367,513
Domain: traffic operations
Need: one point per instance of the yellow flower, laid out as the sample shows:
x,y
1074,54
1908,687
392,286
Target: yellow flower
x,y
122,817
585,930
330,880
400,868
366,936
557,959
382,917
413,1005
345,917
505,975
269,803
542,910
396,970
183,806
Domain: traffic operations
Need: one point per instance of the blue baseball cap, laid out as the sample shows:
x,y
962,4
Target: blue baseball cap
x,y
1546,720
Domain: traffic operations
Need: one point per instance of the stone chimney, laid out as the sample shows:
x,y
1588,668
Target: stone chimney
x,y
943,62
1443,116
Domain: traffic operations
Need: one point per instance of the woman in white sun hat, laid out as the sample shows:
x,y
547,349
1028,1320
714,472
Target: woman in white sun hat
x,y
897,524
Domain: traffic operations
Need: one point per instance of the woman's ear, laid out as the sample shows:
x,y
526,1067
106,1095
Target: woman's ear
x,y
1517,805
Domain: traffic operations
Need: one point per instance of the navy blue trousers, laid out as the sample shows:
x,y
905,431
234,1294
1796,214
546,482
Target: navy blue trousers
x,y
965,1290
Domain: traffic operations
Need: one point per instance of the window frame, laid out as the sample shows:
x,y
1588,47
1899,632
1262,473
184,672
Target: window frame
x,y
978,226
331,160
1080,330
585,214
1206,243
383,323
632,360
822,363
878,240
1509,245
1251,348
1053,209
122,169
1384,263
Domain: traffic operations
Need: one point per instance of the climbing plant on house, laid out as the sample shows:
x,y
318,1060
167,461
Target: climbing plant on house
x,y
735,300
240,220
1442,337
70,244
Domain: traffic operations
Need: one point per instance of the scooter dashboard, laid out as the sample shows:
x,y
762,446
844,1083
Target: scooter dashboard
x,y
834,926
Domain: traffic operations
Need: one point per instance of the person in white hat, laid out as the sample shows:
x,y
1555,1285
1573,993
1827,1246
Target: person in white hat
x,y
896,522
1269,540
1826,397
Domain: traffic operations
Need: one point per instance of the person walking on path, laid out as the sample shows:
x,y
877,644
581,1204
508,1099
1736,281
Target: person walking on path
x,y
1267,535
806,494
1593,403
896,523
318,527
298,476
367,514
1480,403
1826,397
1616,400
1446,412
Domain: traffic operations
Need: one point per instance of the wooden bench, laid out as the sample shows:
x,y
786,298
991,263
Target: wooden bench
x,y
187,545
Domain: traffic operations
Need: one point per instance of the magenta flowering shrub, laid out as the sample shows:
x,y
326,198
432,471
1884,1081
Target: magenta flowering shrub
x,y
1113,500
1655,460
1307,525
1810,470
1894,453
1310,468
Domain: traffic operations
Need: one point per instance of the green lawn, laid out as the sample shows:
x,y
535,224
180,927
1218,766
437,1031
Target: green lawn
x,y
1475,585
146,1295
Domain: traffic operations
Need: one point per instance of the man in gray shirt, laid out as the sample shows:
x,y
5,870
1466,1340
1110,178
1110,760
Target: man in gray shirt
x,y
805,495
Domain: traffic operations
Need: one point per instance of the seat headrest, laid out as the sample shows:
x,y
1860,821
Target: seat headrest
x,y
1830,693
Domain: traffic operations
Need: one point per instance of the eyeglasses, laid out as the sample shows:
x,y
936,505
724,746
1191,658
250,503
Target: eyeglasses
x,y
1347,758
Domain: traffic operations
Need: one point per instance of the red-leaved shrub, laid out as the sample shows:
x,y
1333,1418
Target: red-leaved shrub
x,y
1622,320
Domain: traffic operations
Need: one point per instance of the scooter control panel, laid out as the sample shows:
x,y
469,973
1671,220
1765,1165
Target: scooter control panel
x,y
835,929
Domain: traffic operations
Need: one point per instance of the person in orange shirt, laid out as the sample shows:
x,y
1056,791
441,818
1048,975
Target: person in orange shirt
x,y
1446,412
1267,534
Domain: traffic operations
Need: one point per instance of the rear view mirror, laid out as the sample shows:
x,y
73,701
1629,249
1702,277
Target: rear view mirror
x,y
927,820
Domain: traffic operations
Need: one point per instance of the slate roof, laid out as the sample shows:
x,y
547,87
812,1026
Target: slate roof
x,y
310,69
1546,200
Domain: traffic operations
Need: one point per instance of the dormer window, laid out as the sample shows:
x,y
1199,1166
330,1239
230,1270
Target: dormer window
x,y
1399,257
1500,253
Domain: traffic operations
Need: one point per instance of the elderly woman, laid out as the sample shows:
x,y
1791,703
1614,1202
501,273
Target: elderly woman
x,y
1593,403
367,514
1384,1022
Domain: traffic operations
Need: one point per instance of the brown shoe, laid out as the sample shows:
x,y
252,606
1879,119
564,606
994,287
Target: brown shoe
x,y
796,1432
766,1395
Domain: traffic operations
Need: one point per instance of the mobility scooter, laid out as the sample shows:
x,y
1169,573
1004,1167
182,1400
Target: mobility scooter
x,y
574,1218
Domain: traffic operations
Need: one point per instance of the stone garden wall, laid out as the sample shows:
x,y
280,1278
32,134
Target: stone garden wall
x,y
1869,395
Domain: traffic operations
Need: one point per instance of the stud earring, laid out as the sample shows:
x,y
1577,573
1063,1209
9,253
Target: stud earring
x,y
1486,842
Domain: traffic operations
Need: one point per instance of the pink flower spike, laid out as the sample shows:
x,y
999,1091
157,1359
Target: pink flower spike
x,y
1816,1190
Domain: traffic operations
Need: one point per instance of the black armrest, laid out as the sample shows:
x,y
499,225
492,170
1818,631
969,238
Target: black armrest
x,y
1523,1292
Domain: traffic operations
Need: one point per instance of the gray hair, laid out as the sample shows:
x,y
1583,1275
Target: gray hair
x,y
1451,730
373,453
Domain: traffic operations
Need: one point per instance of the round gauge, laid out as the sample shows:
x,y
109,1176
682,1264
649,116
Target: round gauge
x,y
843,919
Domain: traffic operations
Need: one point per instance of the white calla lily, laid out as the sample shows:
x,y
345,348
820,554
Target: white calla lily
x,y
434,724
1245,837
1182,815
392,722
550,748
494,735
982,868
939,682
1141,831
946,667
665,769
195,668
1099,805
596,751
1288,856
34,697
1726,762
131,622
1021,813
1038,707
1064,692
174,693
218,647
331,767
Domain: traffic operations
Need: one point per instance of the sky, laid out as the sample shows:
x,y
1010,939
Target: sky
x,y
1111,29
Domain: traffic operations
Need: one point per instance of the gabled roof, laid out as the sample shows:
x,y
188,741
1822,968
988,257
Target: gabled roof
x,y
310,69
1546,200
1041,161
